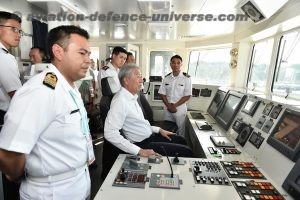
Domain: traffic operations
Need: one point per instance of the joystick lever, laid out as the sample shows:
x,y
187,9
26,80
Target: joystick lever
x,y
176,159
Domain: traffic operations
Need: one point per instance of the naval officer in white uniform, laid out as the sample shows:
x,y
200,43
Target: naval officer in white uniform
x,y
10,35
112,68
175,91
45,133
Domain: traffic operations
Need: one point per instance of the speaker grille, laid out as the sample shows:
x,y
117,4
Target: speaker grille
x,y
252,12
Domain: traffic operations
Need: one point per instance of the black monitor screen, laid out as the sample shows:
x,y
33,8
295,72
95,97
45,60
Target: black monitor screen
x,y
229,108
156,95
286,135
216,102
292,182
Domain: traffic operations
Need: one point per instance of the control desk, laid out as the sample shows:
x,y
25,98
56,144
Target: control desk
x,y
188,188
216,173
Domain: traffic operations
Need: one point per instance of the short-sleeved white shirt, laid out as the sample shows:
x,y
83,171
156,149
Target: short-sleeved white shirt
x,y
109,71
176,87
43,123
9,77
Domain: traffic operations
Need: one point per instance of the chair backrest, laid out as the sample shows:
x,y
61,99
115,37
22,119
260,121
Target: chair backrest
x,y
109,88
146,108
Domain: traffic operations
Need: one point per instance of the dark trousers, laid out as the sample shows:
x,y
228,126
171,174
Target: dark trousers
x,y
10,189
174,147
2,113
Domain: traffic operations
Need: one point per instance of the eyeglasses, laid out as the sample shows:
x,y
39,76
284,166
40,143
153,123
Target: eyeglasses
x,y
15,29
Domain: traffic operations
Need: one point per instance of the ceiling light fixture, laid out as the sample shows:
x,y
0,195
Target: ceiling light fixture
x,y
153,0
68,4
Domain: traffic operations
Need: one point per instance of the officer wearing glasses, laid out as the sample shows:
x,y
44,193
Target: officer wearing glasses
x,y
10,35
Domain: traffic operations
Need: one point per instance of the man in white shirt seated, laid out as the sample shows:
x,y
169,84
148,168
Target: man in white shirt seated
x,y
140,138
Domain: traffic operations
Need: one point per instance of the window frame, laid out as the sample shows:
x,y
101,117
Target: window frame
x,y
278,54
194,77
150,68
270,67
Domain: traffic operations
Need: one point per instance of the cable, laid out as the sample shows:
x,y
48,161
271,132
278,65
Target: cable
x,y
163,148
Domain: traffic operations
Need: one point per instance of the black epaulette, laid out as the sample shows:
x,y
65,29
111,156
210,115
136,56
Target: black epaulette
x,y
168,74
185,74
50,80
105,68
4,50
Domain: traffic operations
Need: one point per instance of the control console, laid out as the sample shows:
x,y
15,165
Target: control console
x,y
252,190
244,170
132,174
209,172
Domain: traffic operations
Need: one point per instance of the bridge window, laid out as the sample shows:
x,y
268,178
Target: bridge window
x,y
210,66
287,73
260,62
160,62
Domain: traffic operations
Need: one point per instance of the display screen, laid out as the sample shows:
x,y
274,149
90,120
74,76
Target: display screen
x,y
251,106
156,95
229,108
286,135
216,102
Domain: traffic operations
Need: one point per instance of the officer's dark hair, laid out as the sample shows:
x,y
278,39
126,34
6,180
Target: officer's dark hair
x,y
118,50
176,56
126,71
41,50
61,35
129,54
4,16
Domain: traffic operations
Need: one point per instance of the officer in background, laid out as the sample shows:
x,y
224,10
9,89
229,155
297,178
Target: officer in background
x,y
175,91
46,133
10,34
36,55
130,58
118,59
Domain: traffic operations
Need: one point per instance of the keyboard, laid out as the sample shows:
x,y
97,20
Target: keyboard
x,y
197,115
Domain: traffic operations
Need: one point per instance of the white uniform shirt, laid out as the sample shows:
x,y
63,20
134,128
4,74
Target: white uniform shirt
x,y
109,71
9,77
43,123
125,113
176,87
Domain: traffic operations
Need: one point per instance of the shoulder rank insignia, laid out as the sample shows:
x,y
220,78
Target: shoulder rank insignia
x,y
50,80
105,68
4,50
185,74
168,74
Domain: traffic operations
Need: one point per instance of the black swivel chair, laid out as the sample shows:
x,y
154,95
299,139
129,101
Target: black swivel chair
x,y
110,152
148,114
